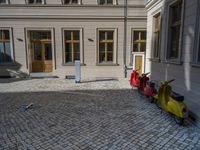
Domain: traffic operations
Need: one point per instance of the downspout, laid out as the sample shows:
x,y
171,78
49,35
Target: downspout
x,y
125,36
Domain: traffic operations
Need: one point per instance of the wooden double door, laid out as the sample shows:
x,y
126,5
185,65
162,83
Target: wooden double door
x,y
41,56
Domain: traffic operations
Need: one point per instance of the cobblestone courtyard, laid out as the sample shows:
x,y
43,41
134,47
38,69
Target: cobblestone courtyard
x,y
101,115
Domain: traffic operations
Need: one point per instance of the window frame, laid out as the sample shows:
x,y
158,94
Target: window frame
x,y
196,49
154,31
79,3
11,46
140,41
168,28
115,52
114,3
81,46
43,2
132,43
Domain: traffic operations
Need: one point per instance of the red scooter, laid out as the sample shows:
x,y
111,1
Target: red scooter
x,y
134,81
150,90
146,87
142,82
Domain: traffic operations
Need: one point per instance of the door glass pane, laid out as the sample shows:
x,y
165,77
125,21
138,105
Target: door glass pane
x,y
48,51
67,35
68,52
76,48
66,1
110,56
101,36
8,57
109,1
1,34
39,1
74,1
110,47
110,35
143,35
143,47
30,1
1,52
101,47
2,1
135,47
102,57
102,2
136,35
76,35
37,51
76,56
68,57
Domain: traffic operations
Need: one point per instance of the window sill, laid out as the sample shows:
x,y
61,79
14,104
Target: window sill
x,y
155,60
196,65
175,62
104,64
73,64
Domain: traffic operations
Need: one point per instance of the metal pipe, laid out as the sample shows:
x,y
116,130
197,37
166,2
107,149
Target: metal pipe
x,y
125,36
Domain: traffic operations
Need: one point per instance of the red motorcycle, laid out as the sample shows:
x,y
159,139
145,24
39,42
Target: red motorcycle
x,y
134,81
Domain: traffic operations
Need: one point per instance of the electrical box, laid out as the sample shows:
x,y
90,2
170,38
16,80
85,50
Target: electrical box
x,y
77,71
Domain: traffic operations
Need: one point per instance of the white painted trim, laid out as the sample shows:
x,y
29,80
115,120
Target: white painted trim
x,y
81,43
143,60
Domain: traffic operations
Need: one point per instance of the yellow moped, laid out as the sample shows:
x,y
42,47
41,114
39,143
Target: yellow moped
x,y
171,102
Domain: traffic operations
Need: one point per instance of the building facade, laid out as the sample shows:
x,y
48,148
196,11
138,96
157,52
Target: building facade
x,y
173,47
47,36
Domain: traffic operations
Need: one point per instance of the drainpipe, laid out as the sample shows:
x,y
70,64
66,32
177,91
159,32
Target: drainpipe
x,y
125,36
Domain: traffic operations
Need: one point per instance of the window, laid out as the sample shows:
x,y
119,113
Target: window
x,y
175,30
105,2
106,46
71,2
196,51
5,46
156,36
72,46
35,1
3,2
139,41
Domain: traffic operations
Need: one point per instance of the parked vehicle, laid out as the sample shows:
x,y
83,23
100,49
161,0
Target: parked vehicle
x,y
150,90
142,82
171,102
134,81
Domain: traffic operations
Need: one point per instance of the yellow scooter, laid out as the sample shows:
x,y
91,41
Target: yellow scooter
x,y
171,102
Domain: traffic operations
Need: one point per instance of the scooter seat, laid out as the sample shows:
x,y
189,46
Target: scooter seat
x,y
177,97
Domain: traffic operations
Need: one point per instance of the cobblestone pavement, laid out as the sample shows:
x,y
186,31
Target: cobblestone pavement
x,y
106,115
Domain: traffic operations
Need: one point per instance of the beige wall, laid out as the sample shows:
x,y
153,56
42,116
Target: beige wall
x,y
89,18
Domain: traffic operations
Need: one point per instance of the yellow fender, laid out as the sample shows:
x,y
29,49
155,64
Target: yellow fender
x,y
176,108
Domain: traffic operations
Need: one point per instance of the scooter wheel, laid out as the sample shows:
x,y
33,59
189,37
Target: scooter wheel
x,y
179,120
151,99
